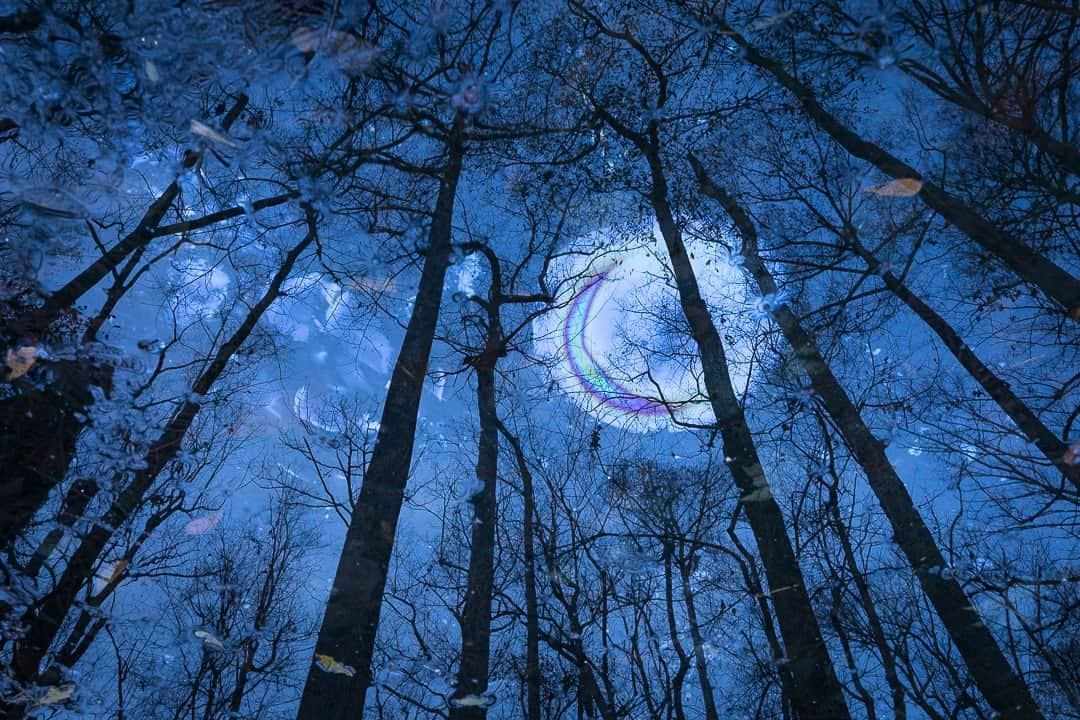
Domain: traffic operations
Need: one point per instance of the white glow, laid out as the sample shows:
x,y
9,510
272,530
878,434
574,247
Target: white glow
x,y
636,317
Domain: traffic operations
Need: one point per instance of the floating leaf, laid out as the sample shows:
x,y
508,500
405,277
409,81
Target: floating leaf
x,y
762,494
480,701
200,128
330,665
900,187
307,40
19,361
209,639
57,694
1072,454
108,574
771,20
348,52
204,524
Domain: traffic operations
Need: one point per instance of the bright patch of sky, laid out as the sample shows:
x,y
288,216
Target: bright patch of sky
x,y
335,355
611,354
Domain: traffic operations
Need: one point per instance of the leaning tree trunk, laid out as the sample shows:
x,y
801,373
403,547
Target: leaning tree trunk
x,y
1003,688
1056,283
40,426
1052,447
351,618
816,691
43,624
476,617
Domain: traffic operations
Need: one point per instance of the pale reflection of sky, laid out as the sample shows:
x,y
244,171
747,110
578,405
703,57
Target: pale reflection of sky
x,y
626,322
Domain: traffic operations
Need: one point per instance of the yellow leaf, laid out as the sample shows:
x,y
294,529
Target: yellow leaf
x,y
57,694
481,701
108,574
209,639
330,665
19,361
900,187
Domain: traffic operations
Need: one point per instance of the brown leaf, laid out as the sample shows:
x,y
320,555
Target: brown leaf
x,y
20,361
900,187
108,574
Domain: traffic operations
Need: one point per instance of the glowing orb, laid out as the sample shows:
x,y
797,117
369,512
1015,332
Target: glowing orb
x,y
594,379
616,340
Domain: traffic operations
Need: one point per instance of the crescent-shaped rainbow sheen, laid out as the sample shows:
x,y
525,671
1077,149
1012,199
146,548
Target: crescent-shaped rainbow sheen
x,y
584,365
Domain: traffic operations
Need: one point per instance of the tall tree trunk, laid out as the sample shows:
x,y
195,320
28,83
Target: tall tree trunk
x,y
701,664
1003,688
1056,283
877,629
243,673
43,625
476,617
752,580
817,693
1034,430
532,615
39,427
678,680
351,619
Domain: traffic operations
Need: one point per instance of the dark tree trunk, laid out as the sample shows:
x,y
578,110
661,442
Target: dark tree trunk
x,y
532,616
476,617
351,619
1053,448
678,680
816,691
1003,688
43,625
39,427
700,662
877,629
752,579
1053,281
